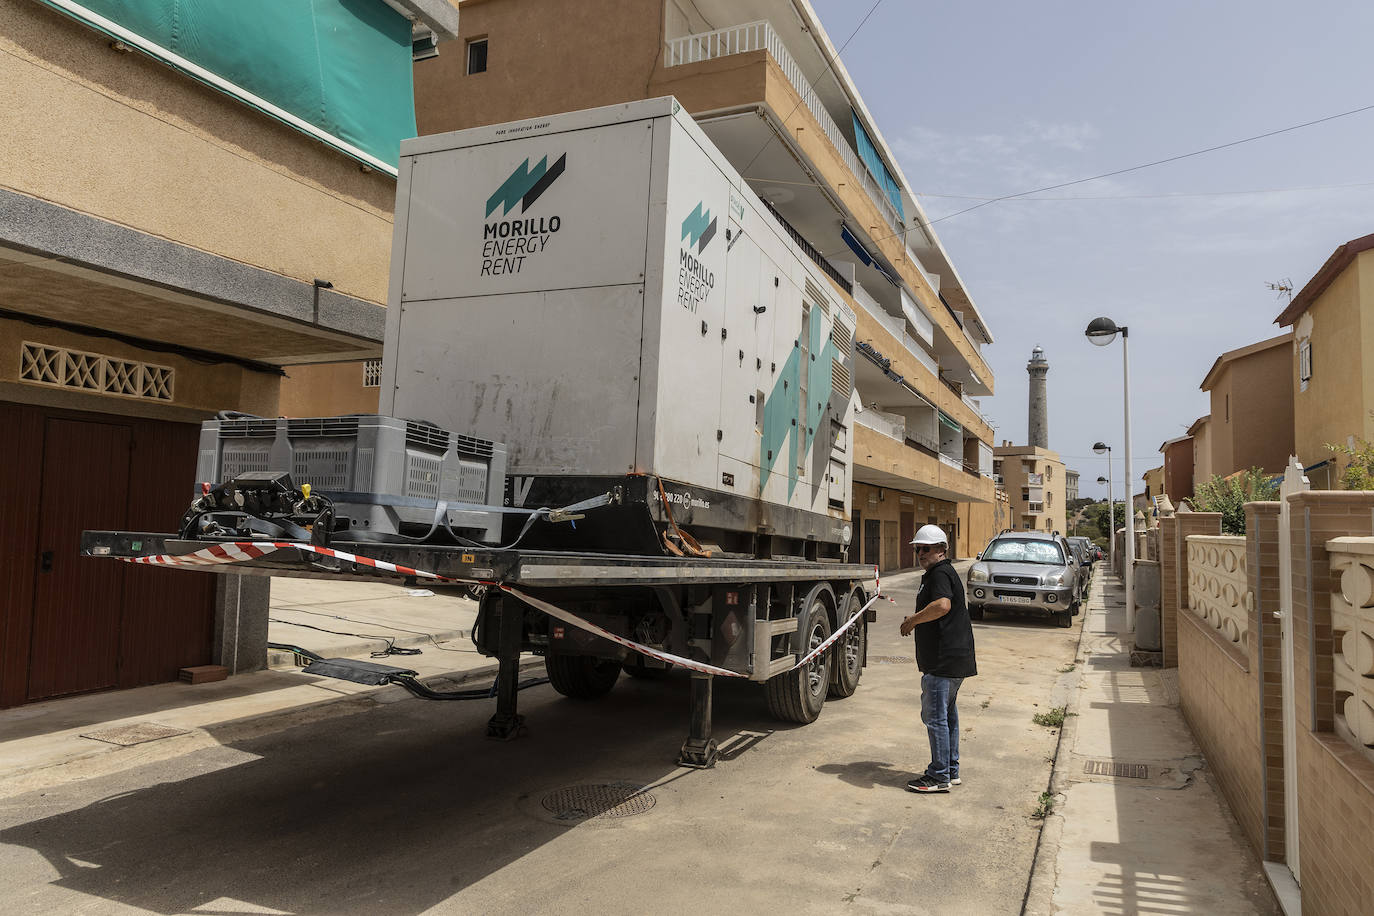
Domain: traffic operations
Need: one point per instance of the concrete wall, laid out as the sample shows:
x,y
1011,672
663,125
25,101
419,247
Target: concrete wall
x,y
1232,699
1202,455
1262,410
180,161
326,390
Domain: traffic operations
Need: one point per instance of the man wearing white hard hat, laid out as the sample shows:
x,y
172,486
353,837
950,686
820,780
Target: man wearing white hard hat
x,y
944,653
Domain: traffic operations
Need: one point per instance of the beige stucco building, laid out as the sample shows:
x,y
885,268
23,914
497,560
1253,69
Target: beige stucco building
x,y
1252,407
1201,433
165,215
1035,481
1330,377
816,155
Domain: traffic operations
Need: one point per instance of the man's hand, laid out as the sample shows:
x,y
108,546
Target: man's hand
x,y
908,624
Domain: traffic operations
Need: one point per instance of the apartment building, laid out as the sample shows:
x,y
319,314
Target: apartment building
x,y
1252,407
187,204
1330,380
757,79
1070,485
1035,481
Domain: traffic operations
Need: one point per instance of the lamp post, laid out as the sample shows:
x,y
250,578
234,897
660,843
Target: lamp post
x,y
1101,332
1102,448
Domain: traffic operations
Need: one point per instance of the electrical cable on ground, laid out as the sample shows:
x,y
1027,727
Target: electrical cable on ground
x,y
391,648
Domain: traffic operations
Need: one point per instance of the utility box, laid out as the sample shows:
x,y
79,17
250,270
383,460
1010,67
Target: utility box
x,y
603,293
385,476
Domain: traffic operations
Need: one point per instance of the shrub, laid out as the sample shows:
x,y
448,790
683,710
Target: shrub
x,y
1228,495
1359,474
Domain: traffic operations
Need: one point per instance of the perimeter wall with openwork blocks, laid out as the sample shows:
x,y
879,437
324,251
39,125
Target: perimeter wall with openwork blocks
x,y
1224,591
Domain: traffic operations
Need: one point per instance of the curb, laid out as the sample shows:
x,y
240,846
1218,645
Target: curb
x,y
1044,877
279,658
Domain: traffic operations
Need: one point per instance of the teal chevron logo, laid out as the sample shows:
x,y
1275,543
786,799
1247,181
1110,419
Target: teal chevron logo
x,y
525,185
699,228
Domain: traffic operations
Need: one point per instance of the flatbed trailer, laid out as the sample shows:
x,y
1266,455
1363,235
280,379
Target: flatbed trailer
x,y
769,621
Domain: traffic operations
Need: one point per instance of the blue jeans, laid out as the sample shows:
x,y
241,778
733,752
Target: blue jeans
x,y
941,717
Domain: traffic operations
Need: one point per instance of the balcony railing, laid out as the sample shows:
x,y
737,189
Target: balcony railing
x,y
956,463
1352,635
1218,590
810,250
1035,480
895,326
890,425
759,36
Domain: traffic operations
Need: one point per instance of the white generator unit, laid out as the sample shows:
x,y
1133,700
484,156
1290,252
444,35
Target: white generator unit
x,y
603,293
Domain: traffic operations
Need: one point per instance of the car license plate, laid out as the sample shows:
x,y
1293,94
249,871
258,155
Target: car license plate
x,y
1015,599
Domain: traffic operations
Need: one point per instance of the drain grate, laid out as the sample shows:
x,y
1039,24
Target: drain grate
x,y
137,733
891,659
608,800
1111,768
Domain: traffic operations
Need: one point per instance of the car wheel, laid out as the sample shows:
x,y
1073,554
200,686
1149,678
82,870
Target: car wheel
x,y
1063,619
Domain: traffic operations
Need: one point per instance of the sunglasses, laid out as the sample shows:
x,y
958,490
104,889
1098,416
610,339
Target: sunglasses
x,y
927,548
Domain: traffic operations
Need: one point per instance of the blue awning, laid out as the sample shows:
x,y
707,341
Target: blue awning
x,y
340,68
862,254
868,152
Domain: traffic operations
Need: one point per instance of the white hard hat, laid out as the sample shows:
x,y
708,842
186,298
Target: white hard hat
x,y
930,534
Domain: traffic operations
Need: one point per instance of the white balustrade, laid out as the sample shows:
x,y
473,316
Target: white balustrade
x,y
759,36
895,326
890,425
1352,635
1218,586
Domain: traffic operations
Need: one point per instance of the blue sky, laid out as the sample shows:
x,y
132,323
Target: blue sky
x,y
985,99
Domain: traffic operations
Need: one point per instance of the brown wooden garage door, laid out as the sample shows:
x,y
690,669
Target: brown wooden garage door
x,y
71,624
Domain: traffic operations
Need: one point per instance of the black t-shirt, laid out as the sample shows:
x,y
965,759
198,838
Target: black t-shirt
x,y
944,647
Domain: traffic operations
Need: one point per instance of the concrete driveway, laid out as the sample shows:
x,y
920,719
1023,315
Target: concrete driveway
x,y
405,807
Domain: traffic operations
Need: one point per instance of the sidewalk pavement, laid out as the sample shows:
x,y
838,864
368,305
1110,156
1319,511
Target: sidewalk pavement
x,y
1159,840
37,738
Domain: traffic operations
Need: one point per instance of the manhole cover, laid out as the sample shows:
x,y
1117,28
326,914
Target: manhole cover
x,y
891,659
137,733
609,800
1111,768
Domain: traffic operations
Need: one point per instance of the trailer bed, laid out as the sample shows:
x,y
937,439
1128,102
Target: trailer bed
x,y
529,568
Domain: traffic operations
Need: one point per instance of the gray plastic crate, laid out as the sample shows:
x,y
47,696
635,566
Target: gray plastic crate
x,y
384,475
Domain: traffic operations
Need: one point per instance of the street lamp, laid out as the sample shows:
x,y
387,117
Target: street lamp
x,y
1102,331
1102,448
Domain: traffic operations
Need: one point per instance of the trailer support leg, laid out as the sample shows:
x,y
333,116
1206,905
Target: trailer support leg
x,y
699,750
506,723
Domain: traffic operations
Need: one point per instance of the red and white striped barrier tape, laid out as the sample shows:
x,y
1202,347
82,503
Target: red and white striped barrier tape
x,y
239,551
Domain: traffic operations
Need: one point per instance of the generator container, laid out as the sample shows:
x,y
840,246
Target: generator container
x,y
388,478
603,293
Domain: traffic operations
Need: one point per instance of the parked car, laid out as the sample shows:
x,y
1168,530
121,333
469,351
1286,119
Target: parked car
x,y
1025,571
1087,555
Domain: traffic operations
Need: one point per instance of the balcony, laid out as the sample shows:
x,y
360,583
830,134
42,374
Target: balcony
x,y
890,425
760,36
881,459
1035,480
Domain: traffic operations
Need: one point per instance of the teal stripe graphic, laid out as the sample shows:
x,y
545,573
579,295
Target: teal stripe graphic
x,y
783,404
517,185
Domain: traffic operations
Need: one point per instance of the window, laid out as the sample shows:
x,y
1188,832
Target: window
x,y
477,55
372,373
1049,472
1304,363
1228,408
1049,500
1025,494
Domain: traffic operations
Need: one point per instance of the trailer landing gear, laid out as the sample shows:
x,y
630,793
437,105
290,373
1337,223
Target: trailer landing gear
x,y
699,750
506,723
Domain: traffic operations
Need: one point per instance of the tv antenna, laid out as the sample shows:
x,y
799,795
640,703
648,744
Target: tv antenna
x,y
1283,287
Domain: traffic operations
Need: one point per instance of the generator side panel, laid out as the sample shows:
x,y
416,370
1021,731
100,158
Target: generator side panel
x,y
521,300
755,349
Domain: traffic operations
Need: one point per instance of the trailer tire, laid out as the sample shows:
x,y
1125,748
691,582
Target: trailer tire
x,y
799,694
581,677
847,655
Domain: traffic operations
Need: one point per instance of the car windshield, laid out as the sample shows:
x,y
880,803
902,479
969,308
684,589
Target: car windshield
x,y
1024,551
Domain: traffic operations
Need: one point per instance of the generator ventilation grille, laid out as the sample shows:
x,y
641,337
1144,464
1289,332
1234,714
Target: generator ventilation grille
x,y
840,375
96,373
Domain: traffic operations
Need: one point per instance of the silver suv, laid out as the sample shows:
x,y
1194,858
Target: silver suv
x,y
1025,571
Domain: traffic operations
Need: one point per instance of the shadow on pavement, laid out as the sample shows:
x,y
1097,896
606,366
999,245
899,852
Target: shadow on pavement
x,y
868,774
394,809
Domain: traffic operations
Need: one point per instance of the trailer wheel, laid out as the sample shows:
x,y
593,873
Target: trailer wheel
x,y
799,694
581,677
847,655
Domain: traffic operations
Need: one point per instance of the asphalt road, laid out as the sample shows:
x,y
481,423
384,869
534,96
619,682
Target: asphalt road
x,y
404,808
